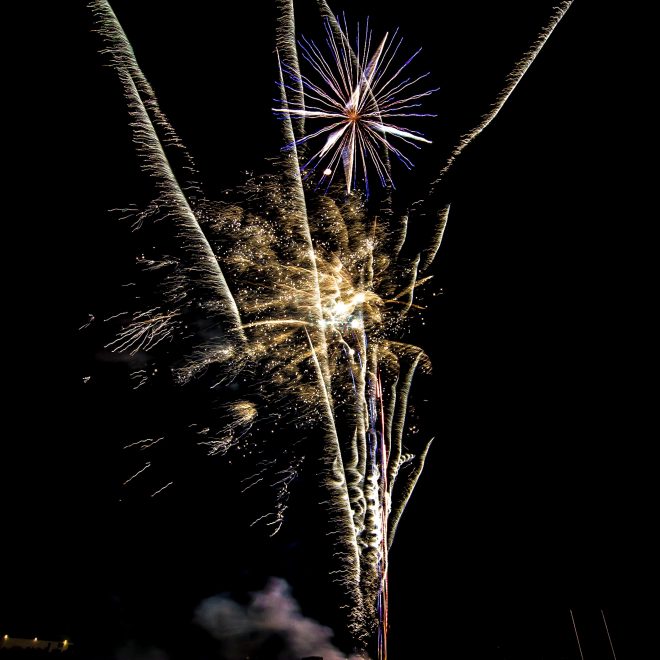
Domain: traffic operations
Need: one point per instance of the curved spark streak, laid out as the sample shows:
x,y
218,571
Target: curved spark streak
x,y
406,490
155,162
515,76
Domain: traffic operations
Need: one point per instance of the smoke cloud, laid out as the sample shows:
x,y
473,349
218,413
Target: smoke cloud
x,y
271,625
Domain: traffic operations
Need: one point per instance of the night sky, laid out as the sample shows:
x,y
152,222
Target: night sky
x,y
536,495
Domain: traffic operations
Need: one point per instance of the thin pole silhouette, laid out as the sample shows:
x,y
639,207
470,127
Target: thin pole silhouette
x,y
609,637
577,637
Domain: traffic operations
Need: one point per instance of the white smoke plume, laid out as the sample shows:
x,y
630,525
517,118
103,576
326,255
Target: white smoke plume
x,y
271,625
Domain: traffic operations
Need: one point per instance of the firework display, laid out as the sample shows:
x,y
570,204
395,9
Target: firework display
x,y
357,95
305,290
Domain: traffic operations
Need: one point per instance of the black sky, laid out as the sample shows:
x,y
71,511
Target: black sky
x,y
536,495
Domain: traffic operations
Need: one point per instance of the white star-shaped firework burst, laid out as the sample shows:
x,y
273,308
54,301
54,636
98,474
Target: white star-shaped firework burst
x,y
356,93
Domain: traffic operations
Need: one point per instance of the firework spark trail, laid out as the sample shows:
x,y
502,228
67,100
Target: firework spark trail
x,y
334,478
515,76
154,161
312,297
145,331
138,473
399,418
404,492
430,252
339,501
145,443
286,47
298,207
160,490
122,56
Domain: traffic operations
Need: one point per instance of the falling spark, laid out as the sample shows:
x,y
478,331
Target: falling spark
x,y
138,473
160,490
146,443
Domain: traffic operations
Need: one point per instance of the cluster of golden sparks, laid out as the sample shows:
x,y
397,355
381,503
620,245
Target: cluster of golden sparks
x,y
306,295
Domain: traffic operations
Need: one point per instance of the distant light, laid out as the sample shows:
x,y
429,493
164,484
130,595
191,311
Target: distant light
x,y
6,637
327,172
35,639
